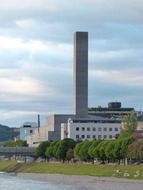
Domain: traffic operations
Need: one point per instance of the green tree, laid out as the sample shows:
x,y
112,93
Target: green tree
x,y
102,154
96,150
41,149
124,147
109,150
55,149
70,154
135,150
117,150
77,149
18,143
63,147
50,150
129,124
83,152
92,147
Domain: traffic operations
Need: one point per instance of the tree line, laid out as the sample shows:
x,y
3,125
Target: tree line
x,y
102,150
126,147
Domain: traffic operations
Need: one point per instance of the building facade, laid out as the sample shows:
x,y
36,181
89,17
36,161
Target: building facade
x,y
27,129
91,129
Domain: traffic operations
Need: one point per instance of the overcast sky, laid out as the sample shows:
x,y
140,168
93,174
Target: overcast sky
x,y
36,55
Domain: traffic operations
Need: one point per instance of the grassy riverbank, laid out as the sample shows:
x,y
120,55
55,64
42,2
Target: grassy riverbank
x,y
133,172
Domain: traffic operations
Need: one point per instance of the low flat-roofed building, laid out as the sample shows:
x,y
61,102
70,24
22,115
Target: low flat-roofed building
x,y
27,129
89,129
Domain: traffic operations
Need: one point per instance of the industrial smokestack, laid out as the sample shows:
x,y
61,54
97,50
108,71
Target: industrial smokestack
x,y
38,122
81,74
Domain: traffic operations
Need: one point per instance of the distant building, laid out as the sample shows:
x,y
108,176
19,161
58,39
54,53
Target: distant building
x,y
114,110
99,128
99,123
27,129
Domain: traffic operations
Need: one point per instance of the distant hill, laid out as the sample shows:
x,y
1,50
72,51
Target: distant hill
x,y
6,133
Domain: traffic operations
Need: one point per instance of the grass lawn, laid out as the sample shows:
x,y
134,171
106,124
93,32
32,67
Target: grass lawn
x,y
4,165
131,171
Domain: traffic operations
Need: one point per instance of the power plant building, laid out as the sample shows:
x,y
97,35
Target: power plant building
x,y
80,119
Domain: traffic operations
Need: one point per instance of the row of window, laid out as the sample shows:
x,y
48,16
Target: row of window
x,y
94,129
93,137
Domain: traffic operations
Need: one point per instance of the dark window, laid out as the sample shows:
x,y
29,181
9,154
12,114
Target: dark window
x,y
77,136
110,136
105,136
93,136
77,128
88,136
94,129
99,129
116,129
88,129
110,129
83,129
82,136
105,129
31,131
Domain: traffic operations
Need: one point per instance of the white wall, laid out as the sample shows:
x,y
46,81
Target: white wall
x,y
91,131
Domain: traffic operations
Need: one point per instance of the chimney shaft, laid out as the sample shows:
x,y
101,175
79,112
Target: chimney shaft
x,y
81,74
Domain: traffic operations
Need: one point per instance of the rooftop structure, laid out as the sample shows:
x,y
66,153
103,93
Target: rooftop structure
x,y
114,109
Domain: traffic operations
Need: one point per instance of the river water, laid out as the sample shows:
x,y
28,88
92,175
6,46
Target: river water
x,y
13,182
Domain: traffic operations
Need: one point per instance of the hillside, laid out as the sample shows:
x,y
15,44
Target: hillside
x,y
6,133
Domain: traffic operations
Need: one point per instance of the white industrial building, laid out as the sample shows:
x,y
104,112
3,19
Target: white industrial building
x,y
81,126
99,128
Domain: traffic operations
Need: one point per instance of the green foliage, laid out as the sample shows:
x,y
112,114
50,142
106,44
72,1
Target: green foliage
x,y
121,147
129,124
69,154
83,152
91,150
109,150
63,147
135,150
41,149
18,143
55,149
125,143
96,150
77,149
101,150
49,151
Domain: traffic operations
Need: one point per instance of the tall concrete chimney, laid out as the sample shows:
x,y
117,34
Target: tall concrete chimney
x,y
38,122
81,74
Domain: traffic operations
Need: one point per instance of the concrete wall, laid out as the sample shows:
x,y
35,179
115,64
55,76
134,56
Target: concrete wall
x,y
92,130
53,125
